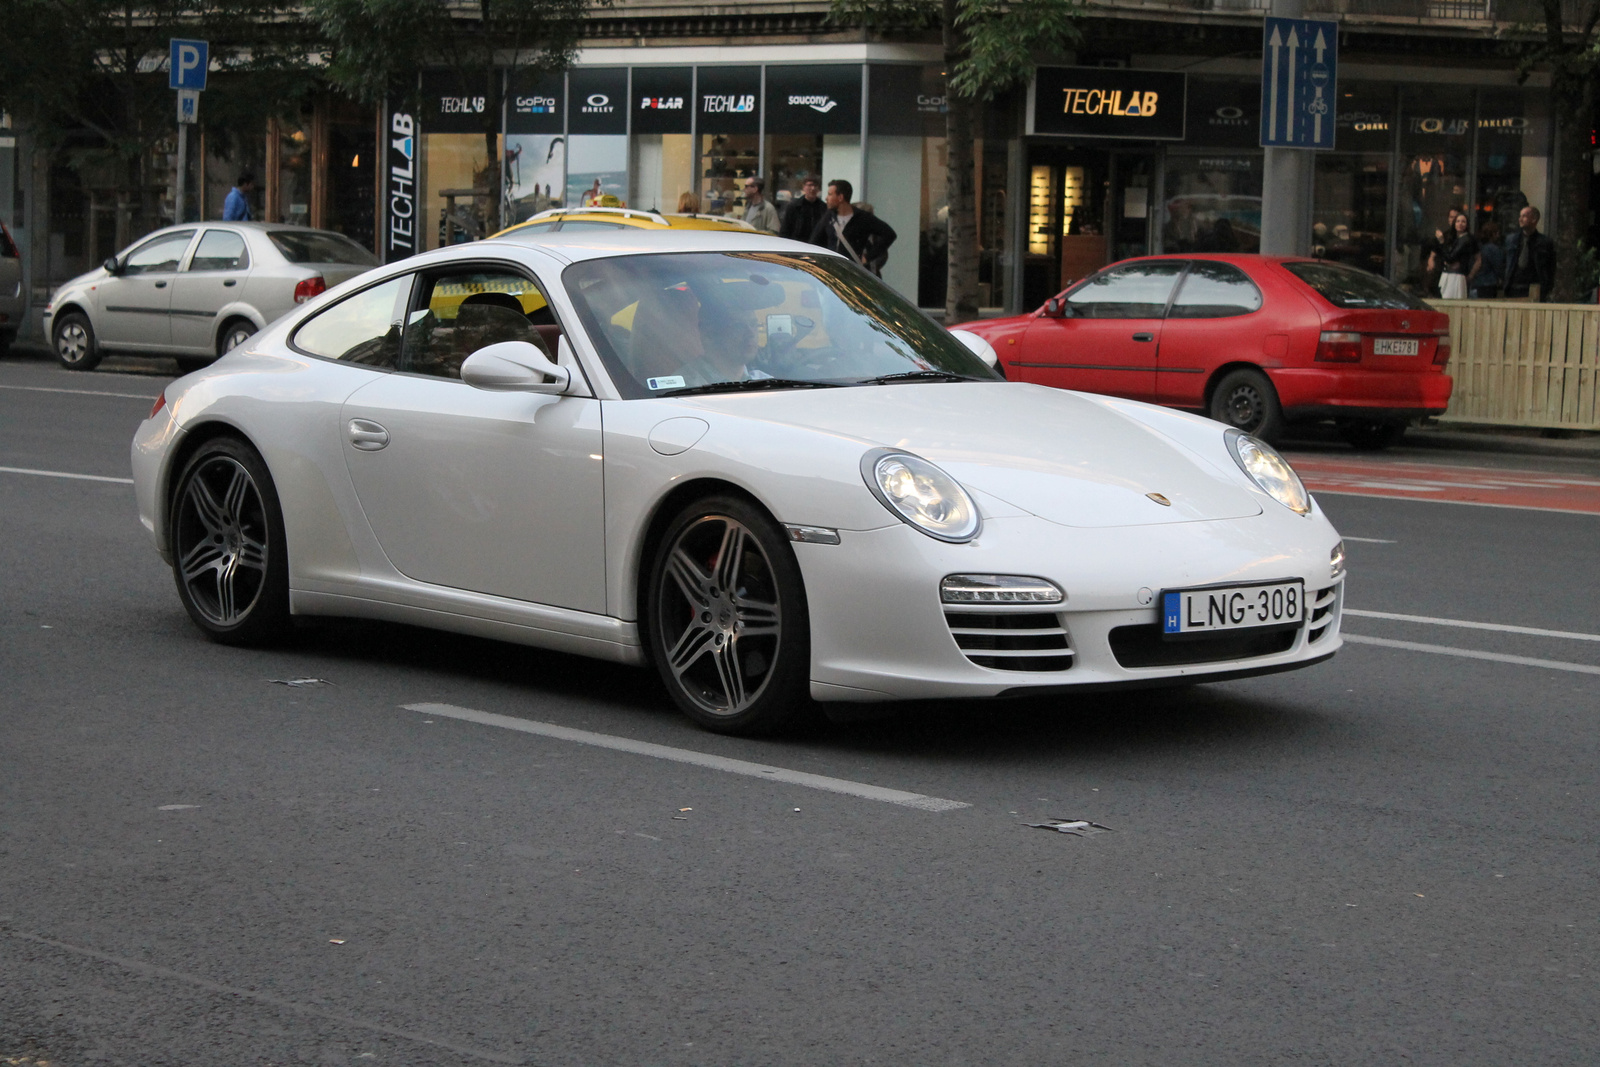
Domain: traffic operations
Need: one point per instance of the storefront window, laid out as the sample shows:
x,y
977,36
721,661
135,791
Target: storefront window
x,y
457,161
1350,202
352,170
1213,202
662,157
729,103
535,174
1435,152
292,202
906,175
1513,167
597,143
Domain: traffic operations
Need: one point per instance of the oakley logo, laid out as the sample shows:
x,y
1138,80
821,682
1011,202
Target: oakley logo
x,y
597,104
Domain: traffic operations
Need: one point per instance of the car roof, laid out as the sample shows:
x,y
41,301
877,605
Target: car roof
x,y
600,244
1242,259
635,217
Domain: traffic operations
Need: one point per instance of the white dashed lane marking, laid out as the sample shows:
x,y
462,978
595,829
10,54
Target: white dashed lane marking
x,y
698,759
66,474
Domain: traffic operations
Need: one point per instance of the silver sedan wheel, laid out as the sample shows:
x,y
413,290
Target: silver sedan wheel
x,y
719,615
221,541
72,342
237,336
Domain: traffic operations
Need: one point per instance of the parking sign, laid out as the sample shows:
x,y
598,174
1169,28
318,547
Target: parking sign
x,y
187,64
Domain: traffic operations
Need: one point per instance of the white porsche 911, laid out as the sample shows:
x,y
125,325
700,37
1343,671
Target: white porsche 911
x,y
741,459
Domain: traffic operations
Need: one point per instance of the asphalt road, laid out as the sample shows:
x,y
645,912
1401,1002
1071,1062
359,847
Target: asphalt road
x,y
1387,858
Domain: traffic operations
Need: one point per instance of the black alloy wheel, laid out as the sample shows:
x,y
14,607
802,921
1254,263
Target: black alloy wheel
x,y
228,545
1369,436
1246,400
726,619
75,344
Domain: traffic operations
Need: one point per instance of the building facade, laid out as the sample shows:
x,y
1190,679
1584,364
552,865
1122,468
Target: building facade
x,y
671,98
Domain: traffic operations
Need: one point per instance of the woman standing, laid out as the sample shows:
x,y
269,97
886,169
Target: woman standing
x,y
1460,249
1489,271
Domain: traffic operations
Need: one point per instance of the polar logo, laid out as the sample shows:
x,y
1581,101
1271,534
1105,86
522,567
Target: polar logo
x,y
661,103
716,103
821,104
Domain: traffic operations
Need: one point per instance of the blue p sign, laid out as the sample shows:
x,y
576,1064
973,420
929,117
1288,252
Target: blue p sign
x,y
188,63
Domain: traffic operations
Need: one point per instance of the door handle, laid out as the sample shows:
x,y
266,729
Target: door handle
x,y
367,436
1144,337
161,285
231,281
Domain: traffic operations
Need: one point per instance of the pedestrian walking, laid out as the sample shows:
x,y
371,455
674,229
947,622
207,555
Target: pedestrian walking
x,y
1489,269
1459,251
1530,259
236,205
802,215
860,235
758,211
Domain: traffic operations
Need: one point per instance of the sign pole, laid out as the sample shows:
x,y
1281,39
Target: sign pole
x,y
1285,197
183,172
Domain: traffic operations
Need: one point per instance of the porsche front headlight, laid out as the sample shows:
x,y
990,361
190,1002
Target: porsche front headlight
x,y
1270,471
921,494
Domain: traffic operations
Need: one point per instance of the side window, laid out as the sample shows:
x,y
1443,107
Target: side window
x,y
1215,291
220,250
455,314
364,328
158,256
1137,291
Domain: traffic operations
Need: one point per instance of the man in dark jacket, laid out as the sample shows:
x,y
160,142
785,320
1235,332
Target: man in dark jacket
x,y
1530,258
802,215
863,237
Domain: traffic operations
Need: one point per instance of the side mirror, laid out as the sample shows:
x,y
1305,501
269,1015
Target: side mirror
x,y
1057,308
514,367
112,266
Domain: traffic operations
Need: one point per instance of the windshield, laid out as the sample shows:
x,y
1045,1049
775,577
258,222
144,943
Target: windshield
x,y
1346,287
309,246
709,320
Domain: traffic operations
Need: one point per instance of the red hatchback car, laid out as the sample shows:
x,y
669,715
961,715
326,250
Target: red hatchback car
x,y
1256,342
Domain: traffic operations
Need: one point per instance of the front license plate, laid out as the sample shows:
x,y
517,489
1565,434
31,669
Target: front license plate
x,y
1186,612
1394,346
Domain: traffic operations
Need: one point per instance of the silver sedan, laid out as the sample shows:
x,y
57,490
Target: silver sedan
x,y
196,290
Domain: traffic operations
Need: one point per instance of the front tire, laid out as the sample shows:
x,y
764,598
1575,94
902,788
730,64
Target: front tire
x,y
228,545
75,344
1246,400
727,621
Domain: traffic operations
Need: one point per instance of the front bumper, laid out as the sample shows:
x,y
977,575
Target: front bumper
x,y
879,630
1352,392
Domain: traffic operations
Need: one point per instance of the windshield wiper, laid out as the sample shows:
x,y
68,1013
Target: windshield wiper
x,y
749,384
920,376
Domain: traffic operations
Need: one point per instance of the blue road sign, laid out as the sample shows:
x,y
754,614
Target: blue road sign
x,y
1299,83
188,63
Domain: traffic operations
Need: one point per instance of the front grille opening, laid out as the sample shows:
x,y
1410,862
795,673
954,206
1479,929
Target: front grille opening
x,y
1142,646
1324,604
1008,641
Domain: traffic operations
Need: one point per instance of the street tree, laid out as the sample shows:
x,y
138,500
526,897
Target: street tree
x,y
1567,44
990,48
88,78
377,48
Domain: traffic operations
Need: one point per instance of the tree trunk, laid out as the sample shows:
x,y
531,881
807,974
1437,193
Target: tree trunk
x,y
961,290
1572,199
491,139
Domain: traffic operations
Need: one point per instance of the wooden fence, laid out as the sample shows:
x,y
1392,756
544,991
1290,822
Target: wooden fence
x,y
1520,364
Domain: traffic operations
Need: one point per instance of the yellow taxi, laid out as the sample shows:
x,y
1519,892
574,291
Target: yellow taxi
x,y
621,218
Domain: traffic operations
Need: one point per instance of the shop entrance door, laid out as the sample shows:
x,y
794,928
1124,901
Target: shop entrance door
x,y
1087,207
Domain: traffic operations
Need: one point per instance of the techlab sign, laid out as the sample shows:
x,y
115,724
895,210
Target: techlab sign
x,y
400,179
1106,102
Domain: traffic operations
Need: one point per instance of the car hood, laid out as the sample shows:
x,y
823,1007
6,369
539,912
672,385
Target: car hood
x,y
1067,457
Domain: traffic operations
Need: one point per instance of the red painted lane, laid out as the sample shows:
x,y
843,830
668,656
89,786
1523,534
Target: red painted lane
x,y
1462,485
